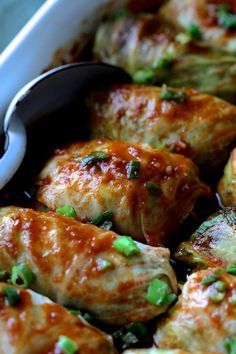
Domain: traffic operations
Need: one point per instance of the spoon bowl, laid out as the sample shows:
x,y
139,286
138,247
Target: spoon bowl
x,y
44,95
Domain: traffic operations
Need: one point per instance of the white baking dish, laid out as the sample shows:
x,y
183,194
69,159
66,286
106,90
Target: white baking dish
x,y
56,24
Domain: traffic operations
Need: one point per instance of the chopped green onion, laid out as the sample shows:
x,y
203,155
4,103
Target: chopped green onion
x,y
102,218
153,188
194,32
216,296
210,279
163,63
175,96
67,210
3,275
13,297
230,345
226,18
144,76
121,13
126,246
22,276
158,293
220,286
67,345
183,38
160,146
96,156
171,298
231,269
104,264
132,169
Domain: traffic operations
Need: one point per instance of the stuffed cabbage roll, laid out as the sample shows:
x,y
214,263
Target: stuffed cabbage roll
x,y
83,266
213,244
140,187
153,52
227,185
198,126
163,351
32,324
215,20
204,318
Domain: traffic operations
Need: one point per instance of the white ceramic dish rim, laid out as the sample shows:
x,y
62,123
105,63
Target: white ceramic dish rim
x,y
56,24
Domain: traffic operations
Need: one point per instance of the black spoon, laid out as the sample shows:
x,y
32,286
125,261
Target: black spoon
x,y
44,95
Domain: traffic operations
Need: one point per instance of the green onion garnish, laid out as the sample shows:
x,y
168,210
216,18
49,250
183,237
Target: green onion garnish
x,y
183,38
126,246
220,286
22,276
99,220
132,169
94,157
230,345
153,188
175,96
67,210
210,279
13,297
67,345
226,18
194,32
231,269
160,146
144,76
158,293
216,296
163,63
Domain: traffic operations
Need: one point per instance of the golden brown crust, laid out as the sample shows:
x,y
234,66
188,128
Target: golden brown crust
x,y
96,188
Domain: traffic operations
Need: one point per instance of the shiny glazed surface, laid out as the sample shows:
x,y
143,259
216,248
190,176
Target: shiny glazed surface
x,y
197,323
35,325
104,185
66,255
